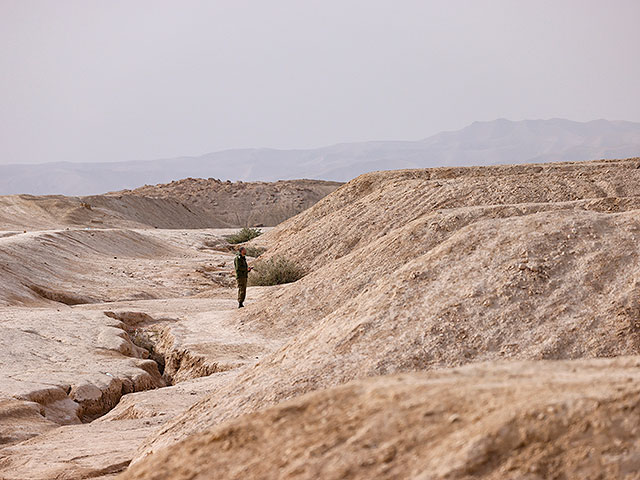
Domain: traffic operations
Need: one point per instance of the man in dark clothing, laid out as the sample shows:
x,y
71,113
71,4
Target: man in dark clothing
x,y
242,275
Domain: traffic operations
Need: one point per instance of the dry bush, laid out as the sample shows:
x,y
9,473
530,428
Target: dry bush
x,y
215,243
254,251
244,235
275,271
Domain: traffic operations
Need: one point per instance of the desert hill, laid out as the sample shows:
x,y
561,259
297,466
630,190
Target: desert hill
x,y
420,270
242,203
188,203
83,266
29,212
535,420
453,323
481,143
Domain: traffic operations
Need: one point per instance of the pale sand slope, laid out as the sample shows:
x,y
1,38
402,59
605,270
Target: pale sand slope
x,y
502,421
242,203
401,283
88,266
62,364
28,212
414,270
188,203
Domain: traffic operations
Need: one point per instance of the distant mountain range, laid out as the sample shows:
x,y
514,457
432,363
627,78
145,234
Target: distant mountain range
x,y
481,143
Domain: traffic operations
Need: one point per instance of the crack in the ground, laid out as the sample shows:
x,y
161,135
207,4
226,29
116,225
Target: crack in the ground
x,y
161,362
157,344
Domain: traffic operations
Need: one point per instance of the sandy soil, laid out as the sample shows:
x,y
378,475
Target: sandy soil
x,y
535,420
453,323
242,203
118,311
51,212
419,270
190,203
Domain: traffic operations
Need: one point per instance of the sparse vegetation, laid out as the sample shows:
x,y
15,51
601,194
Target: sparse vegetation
x,y
254,251
275,271
244,235
215,243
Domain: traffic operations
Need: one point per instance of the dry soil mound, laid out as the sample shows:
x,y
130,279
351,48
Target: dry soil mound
x,y
242,203
74,267
28,212
375,204
418,270
189,203
77,266
531,421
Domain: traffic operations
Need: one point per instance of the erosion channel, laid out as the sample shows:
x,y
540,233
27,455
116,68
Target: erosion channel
x,y
126,330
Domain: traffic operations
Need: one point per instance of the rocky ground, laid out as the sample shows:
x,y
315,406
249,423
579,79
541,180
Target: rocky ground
x,y
453,323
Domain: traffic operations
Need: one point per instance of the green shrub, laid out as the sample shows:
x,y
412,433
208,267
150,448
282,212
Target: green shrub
x,y
244,235
275,271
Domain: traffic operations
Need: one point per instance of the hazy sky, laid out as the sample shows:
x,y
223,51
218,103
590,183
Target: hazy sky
x,y
114,80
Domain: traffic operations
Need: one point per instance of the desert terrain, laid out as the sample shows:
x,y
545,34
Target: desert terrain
x,y
189,203
458,323
242,203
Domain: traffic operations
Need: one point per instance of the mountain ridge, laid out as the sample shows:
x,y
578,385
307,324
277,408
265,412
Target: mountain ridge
x,y
480,143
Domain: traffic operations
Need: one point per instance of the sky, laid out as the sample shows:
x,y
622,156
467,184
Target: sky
x,y
96,80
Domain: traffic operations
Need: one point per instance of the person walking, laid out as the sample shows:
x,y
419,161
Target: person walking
x,y
242,275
